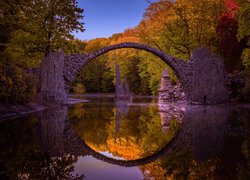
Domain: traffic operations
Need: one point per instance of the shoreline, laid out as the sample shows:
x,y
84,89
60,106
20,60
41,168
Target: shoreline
x,y
9,111
22,109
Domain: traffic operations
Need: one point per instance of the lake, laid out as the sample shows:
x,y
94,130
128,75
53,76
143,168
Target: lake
x,y
131,140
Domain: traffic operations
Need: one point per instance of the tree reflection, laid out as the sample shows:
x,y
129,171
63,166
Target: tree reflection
x,y
121,109
42,166
212,142
140,133
27,151
212,148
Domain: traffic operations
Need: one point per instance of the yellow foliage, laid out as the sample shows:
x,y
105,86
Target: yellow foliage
x,y
124,147
154,170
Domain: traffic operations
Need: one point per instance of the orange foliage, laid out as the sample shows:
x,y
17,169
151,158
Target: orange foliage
x,y
124,147
127,36
154,19
154,170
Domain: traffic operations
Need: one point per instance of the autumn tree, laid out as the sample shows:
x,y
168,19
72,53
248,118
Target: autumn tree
x,y
177,27
193,24
95,76
7,14
29,29
45,26
243,15
244,31
152,24
16,86
128,60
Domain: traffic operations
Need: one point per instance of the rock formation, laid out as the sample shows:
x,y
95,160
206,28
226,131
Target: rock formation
x,y
170,92
119,90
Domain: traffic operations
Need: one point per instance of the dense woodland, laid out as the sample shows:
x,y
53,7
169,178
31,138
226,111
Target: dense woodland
x,y
30,29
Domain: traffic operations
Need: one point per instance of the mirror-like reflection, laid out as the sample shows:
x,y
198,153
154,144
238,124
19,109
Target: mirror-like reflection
x,y
31,148
121,108
169,140
52,126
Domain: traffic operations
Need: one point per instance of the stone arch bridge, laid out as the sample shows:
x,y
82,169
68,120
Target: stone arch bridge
x,y
59,71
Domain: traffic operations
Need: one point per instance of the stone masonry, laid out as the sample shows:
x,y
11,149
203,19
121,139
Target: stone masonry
x,y
74,63
209,78
170,92
202,79
52,87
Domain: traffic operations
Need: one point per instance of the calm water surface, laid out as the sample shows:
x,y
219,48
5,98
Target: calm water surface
x,y
103,139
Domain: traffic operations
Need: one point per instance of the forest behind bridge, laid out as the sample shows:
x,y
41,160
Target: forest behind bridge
x,y
29,30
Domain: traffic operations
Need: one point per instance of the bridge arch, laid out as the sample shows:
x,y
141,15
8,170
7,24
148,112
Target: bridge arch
x,y
203,79
85,149
78,147
74,63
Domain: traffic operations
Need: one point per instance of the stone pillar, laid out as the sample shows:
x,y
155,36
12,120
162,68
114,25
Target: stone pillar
x,y
52,87
209,78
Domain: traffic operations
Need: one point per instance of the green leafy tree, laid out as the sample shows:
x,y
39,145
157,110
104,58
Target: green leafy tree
x,y
192,24
151,68
135,65
16,86
30,29
45,26
176,27
95,76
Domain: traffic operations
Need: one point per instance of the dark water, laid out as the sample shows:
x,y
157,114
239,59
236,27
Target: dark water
x,y
100,139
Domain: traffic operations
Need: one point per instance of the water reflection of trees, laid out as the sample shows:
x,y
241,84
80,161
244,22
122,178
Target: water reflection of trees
x,y
213,143
212,147
140,133
27,150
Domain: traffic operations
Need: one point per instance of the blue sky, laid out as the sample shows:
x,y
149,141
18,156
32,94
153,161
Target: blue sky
x,y
103,18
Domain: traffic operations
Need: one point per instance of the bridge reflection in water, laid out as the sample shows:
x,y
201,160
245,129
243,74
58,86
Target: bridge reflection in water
x,y
202,131
209,142
59,137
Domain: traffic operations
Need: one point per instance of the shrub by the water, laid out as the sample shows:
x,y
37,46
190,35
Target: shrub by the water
x,y
79,88
16,86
